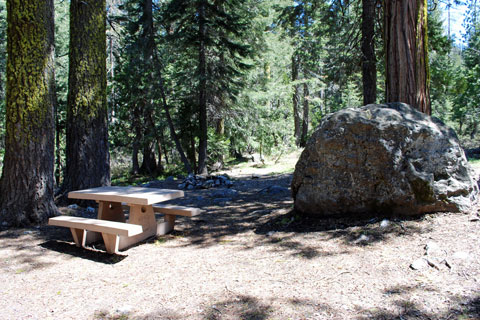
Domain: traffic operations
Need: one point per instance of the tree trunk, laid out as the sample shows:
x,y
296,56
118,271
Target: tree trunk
x,y
166,108
26,186
87,136
369,66
295,100
137,139
407,75
202,90
149,163
305,119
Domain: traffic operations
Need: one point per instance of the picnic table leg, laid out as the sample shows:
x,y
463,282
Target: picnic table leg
x,y
167,225
111,242
107,210
144,216
79,236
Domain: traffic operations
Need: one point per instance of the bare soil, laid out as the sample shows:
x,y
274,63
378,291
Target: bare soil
x,y
250,257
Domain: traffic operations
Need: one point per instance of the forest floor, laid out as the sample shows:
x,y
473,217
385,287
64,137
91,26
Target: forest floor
x,y
249,257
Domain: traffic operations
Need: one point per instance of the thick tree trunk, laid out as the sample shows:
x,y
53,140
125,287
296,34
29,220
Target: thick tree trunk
x,y
202,90
87,137
295,101
407,75
369,61
149,163
26,186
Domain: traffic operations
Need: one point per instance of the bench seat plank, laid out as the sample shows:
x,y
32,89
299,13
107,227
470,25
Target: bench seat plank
x,y
103,226
176,210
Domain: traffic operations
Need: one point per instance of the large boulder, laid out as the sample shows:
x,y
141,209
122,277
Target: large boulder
x,y
382,159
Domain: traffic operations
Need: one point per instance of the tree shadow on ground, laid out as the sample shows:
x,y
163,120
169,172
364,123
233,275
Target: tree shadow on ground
x,y
89,253
272,218
352,230
459,308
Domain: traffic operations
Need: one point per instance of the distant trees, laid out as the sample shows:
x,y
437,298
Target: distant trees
x,y
213,38
26,186
218,79
407,76
87,155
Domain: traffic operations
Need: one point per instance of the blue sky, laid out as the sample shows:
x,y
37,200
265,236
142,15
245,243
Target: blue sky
x,y
457,14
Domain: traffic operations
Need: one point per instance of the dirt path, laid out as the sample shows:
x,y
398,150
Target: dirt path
x,y
249,258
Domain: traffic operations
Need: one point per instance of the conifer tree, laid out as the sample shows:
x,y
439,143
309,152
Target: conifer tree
x,y
407,78
26,186
87,155
213,35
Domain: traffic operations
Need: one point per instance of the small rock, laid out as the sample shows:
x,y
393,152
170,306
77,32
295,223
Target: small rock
x,y
270,233
385,223
170,179
190,187
225,193
73,206
125,310
432,263
362,238
28,232
461,255
90,210
433,249
419,264
181,186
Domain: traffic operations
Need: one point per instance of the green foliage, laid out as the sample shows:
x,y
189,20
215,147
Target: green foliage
x,y
466,104
249,85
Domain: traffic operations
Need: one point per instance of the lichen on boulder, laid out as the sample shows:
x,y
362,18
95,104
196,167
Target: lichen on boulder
x,y
382,160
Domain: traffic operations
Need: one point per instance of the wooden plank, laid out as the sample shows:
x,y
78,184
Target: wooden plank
x,y
111,227
176,210
130,195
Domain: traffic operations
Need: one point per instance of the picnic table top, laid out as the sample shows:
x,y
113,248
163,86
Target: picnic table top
x,y
129,195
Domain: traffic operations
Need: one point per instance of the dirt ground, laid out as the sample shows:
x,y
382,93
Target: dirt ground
x,y
249,257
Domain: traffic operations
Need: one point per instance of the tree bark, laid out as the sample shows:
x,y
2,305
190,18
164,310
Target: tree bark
x,y
87,155
295,101
369,61
26,186
202,89
407,74
305,119
137,139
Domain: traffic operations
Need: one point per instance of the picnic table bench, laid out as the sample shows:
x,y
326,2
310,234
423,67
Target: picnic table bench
x,y
111,224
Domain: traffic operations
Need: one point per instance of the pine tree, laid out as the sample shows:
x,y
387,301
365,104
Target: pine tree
x,y
26,186
407,78
212,35
87,155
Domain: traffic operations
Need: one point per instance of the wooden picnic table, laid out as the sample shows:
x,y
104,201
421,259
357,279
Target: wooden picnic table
x,y
111,223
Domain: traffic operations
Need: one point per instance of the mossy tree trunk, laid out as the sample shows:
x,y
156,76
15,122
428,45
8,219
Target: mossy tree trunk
x,y
87,156
407,74
26,186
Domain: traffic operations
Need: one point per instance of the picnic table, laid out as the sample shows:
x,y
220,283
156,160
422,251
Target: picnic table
x,y
112,225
